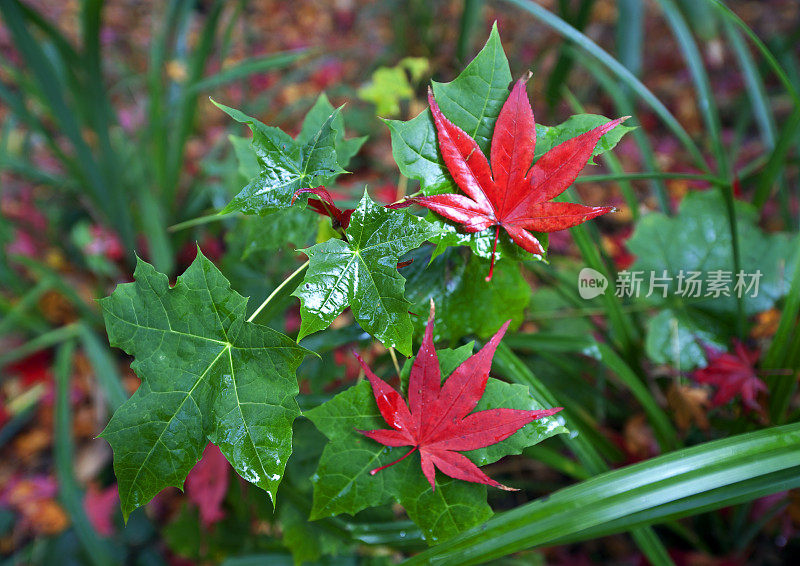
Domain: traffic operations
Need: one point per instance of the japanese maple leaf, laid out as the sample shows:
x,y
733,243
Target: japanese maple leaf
x,y
437,419
512,195
733,374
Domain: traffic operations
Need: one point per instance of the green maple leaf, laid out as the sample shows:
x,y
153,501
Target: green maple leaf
x,y
315,120
361,272
343,484
287,165
207,375
456,284
699,239
472,101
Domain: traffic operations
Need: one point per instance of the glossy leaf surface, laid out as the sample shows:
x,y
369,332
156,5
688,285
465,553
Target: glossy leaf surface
x,y
472,102
361,273
512,195
286,164
207,375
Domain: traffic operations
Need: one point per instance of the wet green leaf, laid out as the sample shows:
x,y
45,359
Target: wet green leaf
x,y
361,273
286,165
207,375
466,303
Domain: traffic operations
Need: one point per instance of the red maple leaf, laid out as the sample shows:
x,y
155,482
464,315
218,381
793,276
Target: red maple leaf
x,y
437,419
733,374
512,194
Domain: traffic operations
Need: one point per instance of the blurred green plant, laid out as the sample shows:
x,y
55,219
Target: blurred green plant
x,y
61,93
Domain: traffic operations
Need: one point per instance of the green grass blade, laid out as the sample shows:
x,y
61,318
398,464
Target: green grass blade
x,y
69,493
588,346
630,34
511,366
779,356
105,368
247,68
672,479
705,96
623,74
755,86
42,342
470,22
622,101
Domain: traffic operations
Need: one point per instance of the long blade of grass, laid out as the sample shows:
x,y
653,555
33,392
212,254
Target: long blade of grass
x,y
623,74
588,346
718,469
705,96
249,67
789,131
187,102
780,353
42,342
105,368
560,73
470,20
52,91
630,34
69,493
625,106
708,109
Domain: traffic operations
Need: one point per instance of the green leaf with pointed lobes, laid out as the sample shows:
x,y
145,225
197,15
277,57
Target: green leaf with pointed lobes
x,y
207,375
287,165
361,272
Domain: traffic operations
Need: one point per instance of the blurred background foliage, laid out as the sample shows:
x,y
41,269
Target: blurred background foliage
x,y
109,147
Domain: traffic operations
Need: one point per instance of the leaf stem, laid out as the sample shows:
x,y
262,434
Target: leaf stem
x,y
394,360
376,470
494,252
278,289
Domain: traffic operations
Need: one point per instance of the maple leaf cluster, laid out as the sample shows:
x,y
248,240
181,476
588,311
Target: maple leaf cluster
x,y
512,194
437,419
733,373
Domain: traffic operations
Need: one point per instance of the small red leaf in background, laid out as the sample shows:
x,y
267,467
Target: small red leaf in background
x,y
207,484
512,195
100,506
733,374
437,419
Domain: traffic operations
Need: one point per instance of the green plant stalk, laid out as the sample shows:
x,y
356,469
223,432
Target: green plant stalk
x,y
69,493
280,291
